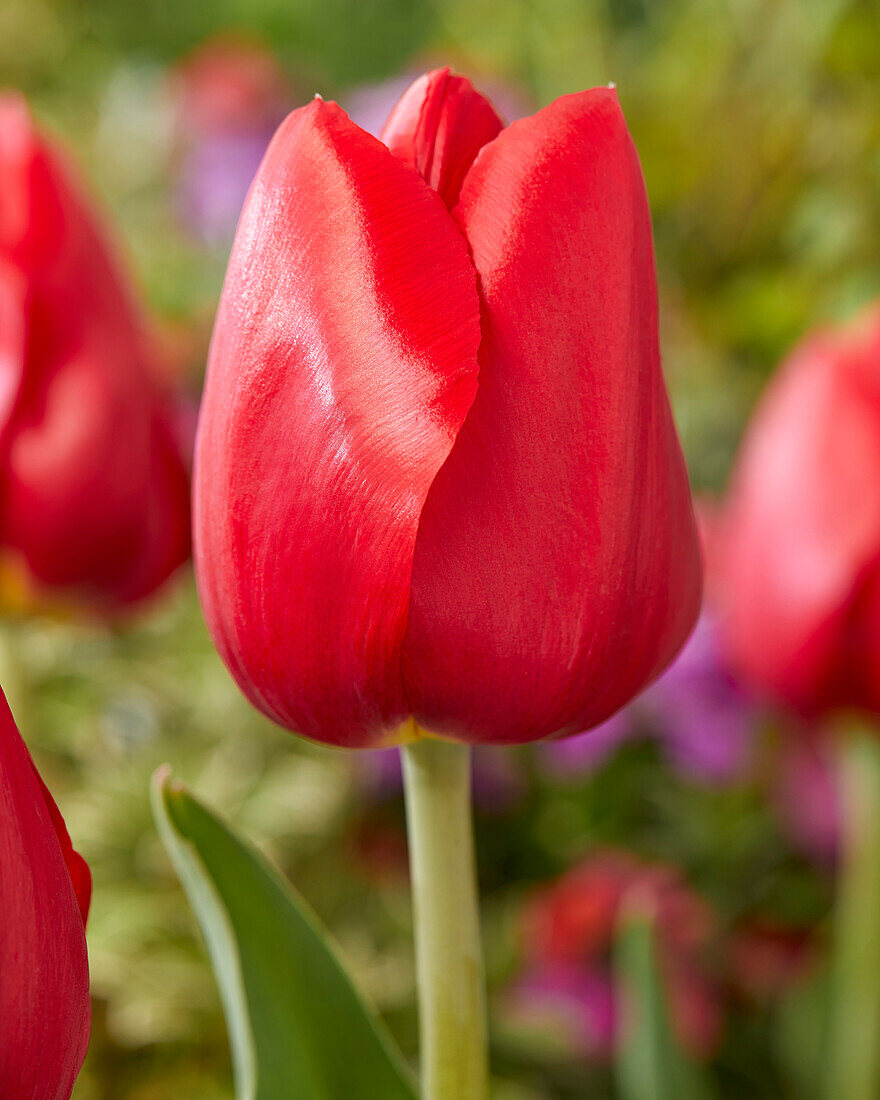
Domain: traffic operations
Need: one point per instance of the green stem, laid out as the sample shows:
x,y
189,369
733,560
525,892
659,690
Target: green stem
x,y
452,1001
853,1056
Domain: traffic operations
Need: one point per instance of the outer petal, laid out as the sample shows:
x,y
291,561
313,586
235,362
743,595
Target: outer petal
x,y
802,526
438,126
44,977
557,568
342,365
77,868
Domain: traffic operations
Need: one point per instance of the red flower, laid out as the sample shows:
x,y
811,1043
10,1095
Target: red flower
x,y
800,554
436,470
767,958
45,889
569,929
95,493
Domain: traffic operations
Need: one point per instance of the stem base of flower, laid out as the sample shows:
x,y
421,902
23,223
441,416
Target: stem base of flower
x,y
449,960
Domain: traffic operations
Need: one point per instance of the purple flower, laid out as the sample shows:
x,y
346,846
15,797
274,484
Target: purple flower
x,y
573,1003
700,714
215,174
573,757
379,774
370,105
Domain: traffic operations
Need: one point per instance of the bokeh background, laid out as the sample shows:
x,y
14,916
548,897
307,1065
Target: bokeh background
x,y
758,124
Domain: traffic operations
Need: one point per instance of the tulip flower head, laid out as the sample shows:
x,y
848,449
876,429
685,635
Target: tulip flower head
x,y
45,888
437,477
95,492
800,555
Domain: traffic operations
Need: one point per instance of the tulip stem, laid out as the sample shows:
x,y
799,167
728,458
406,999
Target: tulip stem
x,y
449,957
853,1055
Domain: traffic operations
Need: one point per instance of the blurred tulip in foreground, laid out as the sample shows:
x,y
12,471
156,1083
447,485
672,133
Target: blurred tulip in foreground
x,y
437,475
45,888
800,551
95,492
568,934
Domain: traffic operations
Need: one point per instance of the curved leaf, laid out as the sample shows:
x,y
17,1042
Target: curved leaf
x,y
650,1065
298,1028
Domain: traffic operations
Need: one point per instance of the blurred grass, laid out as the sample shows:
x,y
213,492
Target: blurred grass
x,y
758,123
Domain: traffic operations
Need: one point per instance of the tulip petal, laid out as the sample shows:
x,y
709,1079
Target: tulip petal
x,y
802,525
861,659
164,518
78,475
90,493
342,366
13,295
77,868
556,569
438,126
44,988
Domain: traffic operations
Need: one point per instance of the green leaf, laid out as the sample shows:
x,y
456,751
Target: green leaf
x,y
650,1065
298,1028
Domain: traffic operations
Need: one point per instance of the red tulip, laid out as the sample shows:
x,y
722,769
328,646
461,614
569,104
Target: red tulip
x,y
45,889
436,470
767,958
799,560
95,495
569,929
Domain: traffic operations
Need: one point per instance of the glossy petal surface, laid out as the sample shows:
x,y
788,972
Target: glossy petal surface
x,y
438,126
801,537
44,989
556,569
342,366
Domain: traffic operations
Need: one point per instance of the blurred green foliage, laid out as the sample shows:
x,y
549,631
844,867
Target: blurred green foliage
x,y
758,123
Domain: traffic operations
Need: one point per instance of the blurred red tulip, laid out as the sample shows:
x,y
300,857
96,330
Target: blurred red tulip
x,y
227,85
767,958
799,558
230,95
45,888
806,793
569,929
95,491
436,469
